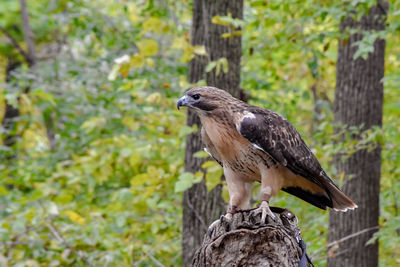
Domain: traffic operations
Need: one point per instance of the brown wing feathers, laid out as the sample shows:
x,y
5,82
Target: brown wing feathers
x,y
279,139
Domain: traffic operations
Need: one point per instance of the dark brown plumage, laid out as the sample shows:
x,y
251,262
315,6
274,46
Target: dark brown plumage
x,y
257,144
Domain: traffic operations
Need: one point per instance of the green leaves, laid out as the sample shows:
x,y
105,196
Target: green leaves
x,y
221,63
214,173
186,180
107,186
111,184
366,44
147,47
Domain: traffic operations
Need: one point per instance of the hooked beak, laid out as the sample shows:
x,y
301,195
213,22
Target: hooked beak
x,y
181,102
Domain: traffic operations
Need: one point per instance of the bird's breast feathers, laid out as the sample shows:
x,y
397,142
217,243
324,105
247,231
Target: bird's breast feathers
x,y
224,137
235,151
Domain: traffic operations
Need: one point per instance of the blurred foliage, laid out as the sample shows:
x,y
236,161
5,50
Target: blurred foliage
x,y
96,175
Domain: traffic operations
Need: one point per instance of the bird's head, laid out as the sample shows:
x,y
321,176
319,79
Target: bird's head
x,y
204,99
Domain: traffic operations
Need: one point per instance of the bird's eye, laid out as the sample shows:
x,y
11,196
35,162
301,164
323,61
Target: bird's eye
x,y
196,97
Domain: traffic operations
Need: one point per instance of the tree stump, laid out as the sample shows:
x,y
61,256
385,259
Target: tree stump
x,y
245,241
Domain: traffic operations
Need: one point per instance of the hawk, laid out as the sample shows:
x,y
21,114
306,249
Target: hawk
x,y
257,144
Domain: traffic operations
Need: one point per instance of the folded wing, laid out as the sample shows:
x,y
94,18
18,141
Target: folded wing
x,y
277,137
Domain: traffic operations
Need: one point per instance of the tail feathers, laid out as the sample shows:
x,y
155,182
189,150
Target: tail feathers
x,y
319,200
340,201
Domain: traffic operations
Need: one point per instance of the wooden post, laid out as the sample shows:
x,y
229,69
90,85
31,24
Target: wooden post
x,y
247,242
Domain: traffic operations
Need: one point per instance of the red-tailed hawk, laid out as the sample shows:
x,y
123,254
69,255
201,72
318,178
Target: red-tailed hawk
x,y
257,144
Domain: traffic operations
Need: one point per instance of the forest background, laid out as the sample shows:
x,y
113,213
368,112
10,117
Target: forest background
x,y
91,169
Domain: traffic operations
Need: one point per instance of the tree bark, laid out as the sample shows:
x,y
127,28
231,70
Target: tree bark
x,y
243,242
201,207
359,101
11,112
28,35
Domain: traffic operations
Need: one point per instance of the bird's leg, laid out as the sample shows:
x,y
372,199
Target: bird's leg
x,y
264,209
240,194
224,218
230,210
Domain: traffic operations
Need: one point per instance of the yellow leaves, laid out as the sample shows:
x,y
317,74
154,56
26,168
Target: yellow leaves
x,y
219,20
149,178
93,123
228,21
145,184
186,130
154,98
188,54
155,25
130,122
75,217
201,154
189,51
137,61
234,24
134,160
34,137
3,191
225,193
153,171
180,43
40,94
183,82
214,173
147,47
150,62
133,13
2,105
123,64
104,172
139,179
220,63
3,68
25,106
200,50
231,34
34,134
152,24
186,180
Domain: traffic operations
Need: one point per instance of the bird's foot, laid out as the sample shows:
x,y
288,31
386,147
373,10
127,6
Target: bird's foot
x,y
227,218
264,210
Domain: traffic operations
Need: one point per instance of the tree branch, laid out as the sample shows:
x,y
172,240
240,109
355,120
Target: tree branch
x,y
196,214
337,242
62,240
15,43
157,262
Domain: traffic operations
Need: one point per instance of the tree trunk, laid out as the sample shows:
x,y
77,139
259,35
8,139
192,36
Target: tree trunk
x,y
359,101
11,112
243,242
201,207
28,35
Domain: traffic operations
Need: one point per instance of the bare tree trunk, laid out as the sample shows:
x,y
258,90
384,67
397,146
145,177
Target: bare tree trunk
x,y
201,207
11,112
243,242
359,101
28,35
